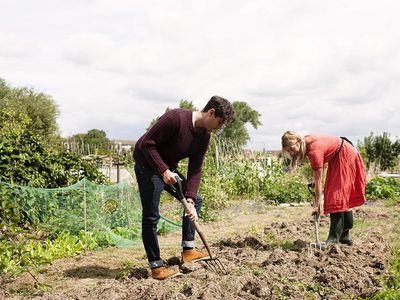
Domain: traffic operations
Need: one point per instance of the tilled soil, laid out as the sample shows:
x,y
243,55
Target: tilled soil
x,y
266,252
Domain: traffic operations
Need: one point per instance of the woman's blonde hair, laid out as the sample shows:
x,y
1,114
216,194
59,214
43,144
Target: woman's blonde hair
x,y
289,138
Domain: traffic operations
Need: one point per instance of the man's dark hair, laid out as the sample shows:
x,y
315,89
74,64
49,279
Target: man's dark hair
x,y
223,108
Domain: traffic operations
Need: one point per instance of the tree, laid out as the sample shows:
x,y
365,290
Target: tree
x,y
40,109
98,138
396,153
187,104
237,131
379,150
182,104
25,160
95,139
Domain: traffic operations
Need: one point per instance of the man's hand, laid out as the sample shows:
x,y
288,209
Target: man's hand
x,y
192,214
169,177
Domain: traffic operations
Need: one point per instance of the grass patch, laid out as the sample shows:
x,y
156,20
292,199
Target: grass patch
x,y
391,282
362,224
391,202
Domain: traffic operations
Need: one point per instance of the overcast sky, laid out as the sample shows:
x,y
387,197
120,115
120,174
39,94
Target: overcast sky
x,y
312,66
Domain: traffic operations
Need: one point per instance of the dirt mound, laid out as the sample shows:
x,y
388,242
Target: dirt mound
x,y
261,270
266,258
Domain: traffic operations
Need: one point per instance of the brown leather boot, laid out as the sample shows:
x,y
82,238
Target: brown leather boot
x,y
163,272
193,255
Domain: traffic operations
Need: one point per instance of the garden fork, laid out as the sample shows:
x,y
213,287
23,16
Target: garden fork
x,y
212,262
317,244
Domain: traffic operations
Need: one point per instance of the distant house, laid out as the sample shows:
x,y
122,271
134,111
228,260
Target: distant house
x,y
123,145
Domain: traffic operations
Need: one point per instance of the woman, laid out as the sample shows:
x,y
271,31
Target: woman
x,y
345,179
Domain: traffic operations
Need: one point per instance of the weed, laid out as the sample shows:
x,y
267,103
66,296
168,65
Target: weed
x,y
316,288
391,283
255,230
258,271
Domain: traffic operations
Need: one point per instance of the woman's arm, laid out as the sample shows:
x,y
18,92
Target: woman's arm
x,y
318,174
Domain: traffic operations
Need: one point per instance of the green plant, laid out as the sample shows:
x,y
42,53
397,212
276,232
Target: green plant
x,y
391,282
39,109
380,150
286,187
387,188
316,288
255,230
229,173
258,271
29,253
25,160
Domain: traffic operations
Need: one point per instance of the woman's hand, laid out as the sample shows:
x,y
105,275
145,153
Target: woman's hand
x,y
317,174
316,211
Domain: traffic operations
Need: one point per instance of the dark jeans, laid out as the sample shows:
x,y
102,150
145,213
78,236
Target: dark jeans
x,y
150,187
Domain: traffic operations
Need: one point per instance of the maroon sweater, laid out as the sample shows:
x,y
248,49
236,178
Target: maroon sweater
x,y
171,139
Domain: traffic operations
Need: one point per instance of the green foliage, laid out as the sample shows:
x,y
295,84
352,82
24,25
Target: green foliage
x,y
316,288
187,104
93,215
25,160
17,256
95,139
391,282
234,174
286,188
99,138
40,109
380,151
237,131
383,188
182,104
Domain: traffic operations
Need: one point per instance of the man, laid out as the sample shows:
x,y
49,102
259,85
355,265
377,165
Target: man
x,y
178,134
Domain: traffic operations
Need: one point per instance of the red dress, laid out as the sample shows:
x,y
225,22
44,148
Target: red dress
x,y
346,177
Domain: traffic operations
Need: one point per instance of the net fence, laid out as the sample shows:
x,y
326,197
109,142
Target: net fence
x,y
113,210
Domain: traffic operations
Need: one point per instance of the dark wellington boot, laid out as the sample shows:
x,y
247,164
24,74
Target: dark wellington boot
x,y
336,228
345,238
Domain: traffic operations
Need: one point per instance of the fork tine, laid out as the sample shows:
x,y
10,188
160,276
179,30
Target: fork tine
x,y
317,246
215,265
211,266
221,266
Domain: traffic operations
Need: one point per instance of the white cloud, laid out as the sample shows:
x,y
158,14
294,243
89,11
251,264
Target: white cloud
x,y
328,67
88,49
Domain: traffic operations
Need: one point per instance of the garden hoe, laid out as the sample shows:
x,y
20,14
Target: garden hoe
x,y
317,244
213,262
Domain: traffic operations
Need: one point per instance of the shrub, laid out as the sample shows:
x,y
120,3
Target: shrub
x,y
387,188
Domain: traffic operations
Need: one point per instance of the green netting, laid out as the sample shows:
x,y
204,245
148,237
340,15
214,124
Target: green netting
x,y
114,210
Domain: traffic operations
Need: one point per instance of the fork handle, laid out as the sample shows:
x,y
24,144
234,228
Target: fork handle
x,y
184,202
